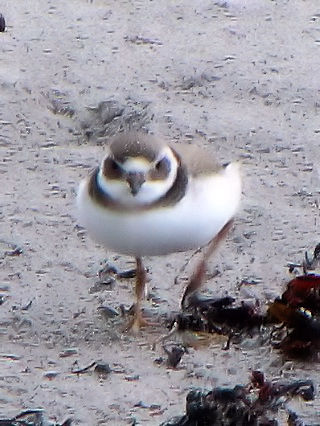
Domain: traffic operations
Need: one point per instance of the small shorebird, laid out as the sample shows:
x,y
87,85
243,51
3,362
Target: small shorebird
x,y
151,198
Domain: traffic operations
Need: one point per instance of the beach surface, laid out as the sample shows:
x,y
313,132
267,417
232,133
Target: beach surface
x,y
238,77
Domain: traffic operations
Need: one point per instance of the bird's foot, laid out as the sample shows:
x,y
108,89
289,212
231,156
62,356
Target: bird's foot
x,y
138,322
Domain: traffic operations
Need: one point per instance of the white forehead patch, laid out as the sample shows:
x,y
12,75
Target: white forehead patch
x,y
136,164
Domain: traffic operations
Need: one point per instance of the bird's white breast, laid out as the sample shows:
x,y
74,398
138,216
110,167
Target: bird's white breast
x,y
209,203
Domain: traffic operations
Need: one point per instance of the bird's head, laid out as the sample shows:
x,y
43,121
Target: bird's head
x,y
137,169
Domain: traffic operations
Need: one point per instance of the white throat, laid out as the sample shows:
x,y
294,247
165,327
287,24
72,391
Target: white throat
x,y
150,191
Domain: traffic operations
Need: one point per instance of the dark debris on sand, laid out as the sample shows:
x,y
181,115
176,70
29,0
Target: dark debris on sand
x,y
32,418
297,311
219,315
253,404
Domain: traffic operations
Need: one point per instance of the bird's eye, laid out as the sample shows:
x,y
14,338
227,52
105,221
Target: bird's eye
x,y
163,165
158,165
161,169
114,166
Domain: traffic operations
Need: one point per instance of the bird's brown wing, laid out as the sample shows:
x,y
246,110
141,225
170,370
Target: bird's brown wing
x,y
199,161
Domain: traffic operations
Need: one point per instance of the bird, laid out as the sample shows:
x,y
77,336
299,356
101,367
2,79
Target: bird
x,y
149,197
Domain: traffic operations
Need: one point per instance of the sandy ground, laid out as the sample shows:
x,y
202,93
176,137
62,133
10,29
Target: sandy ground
x,y
242,77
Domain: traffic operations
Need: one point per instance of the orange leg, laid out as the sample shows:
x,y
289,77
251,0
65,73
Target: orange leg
x,y
197,277
138,321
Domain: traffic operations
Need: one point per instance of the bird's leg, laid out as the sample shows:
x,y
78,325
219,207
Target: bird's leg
x,y
138,321
197,277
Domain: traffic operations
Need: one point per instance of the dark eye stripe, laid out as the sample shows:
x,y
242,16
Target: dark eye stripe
x,y
111,169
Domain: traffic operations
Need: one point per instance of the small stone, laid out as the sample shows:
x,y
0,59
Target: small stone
x,y
132,378
175,354
102,369
141,404
2,23
108,311
68,352
50,374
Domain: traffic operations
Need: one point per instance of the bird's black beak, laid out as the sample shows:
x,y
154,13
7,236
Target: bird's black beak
x,y
135,181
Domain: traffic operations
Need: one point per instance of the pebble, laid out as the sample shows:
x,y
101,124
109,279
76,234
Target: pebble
x,y
2,23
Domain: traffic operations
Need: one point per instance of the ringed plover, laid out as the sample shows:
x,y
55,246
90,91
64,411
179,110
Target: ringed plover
x,y
150,198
